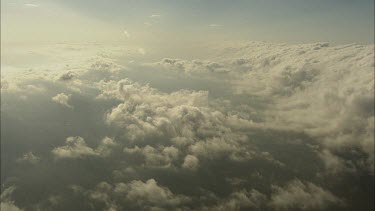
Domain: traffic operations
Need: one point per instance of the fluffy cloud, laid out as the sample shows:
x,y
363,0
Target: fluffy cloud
x,y
268,113
149,193
304,196
157,157
191,67
183,119
320,90
9,206
62,99
76,147
138,195
67,76
191,162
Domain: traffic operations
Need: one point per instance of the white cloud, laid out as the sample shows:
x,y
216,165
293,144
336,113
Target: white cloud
x,y
76,147
137,194
191,162
31,5
314,88
7,204
149,193
304,196
62,99
182,118
106,146
273,93
155,157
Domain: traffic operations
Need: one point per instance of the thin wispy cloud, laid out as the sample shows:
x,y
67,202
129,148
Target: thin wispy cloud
x,y
215,26
31,5
155,16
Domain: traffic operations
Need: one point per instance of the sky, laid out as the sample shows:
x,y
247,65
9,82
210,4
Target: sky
x,y
194,105
185,22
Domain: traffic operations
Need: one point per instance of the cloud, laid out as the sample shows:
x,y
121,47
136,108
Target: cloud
x,y
191,162
29,158
213,25
212,132
62,99
106,147
31,5
126,33
155,157
183,119
191,67
6,203
66,76
152,19
304,196
217,148
299,83
155,16
136,194
9,206
76,147
239,200
149,193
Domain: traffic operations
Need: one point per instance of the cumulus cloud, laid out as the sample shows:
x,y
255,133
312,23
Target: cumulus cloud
x,y
106,146
216,148
304,196
200,67
276,112
76,147
98,68
182,119
139,195
314,88
191,162
150,193
158,157
62,99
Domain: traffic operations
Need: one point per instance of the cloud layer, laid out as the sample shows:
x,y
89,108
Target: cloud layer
x,y
254,126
